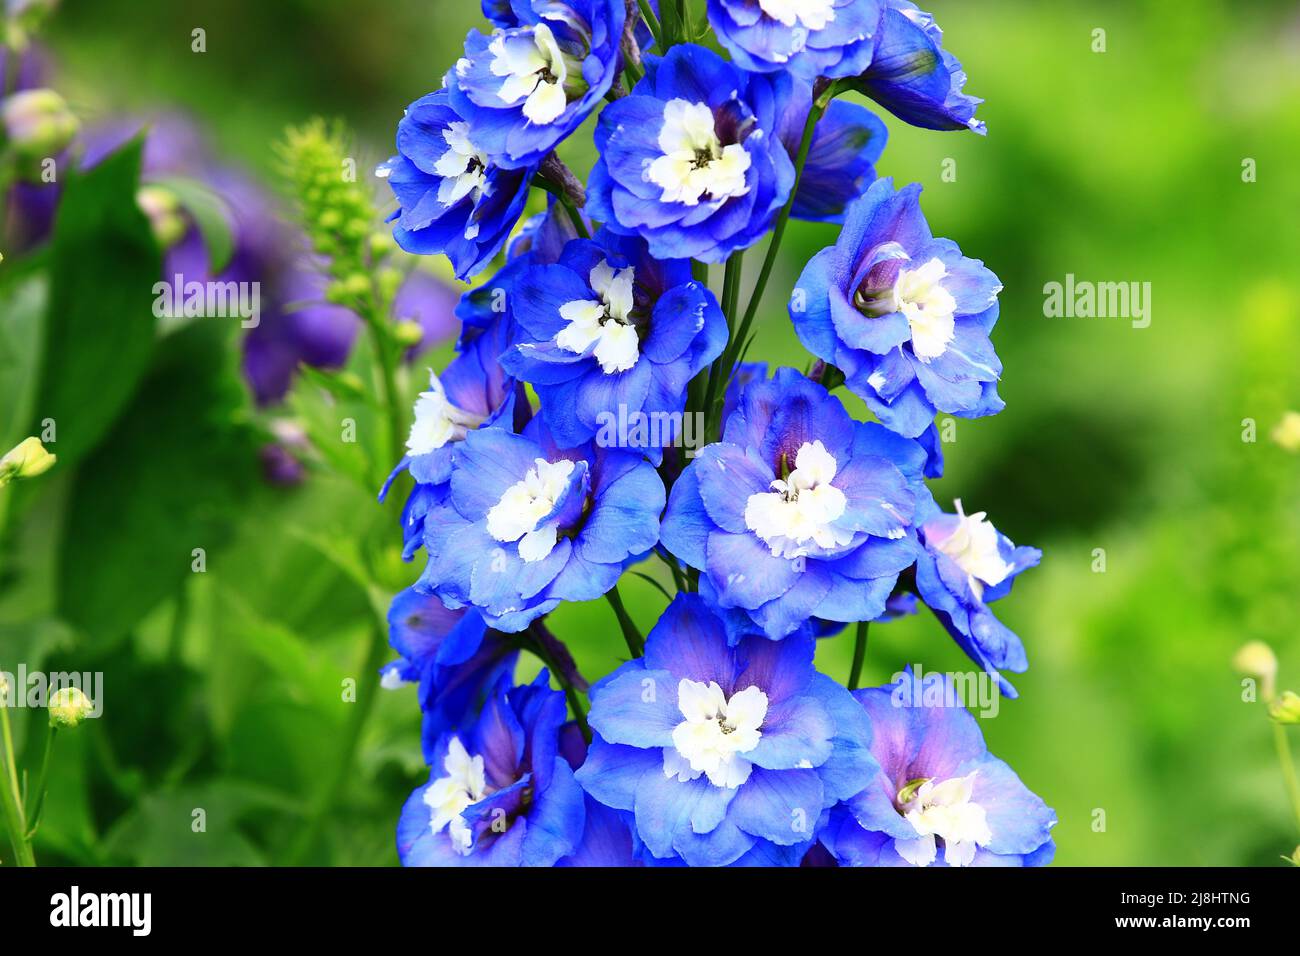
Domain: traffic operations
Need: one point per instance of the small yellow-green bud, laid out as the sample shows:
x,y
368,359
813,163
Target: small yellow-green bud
x,y
1287,432
408,334
356,229
1286,709
357,284
336,292
1256,659
390,280
38,123
351,382
27,459
69,707
382,244
162,208
330,219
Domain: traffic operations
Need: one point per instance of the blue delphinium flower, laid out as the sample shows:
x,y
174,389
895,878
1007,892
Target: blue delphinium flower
x,y
610,338
473,392
691,160
913,76
799,511
718,751
452,197
540,241
810,38
525,88
840,165
906,317
967,564
451,654
527,524
609,835
500,12
938,796
499,792
544,235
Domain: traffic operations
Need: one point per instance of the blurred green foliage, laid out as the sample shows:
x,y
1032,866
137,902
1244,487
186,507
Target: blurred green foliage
x,y
1118,443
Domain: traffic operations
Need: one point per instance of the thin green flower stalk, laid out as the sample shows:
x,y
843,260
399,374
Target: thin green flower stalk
x,y
739,341
339,218
1257,660
10,792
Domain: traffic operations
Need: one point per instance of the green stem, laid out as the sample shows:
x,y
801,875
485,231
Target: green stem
x,y
778,232
667,27
651,21
376,651
15,821
635,642
377,647
679,580
6,493
575,217
565,199
180,616
388,379
570,692
859,655
1288,769
731,284
42,778
730,301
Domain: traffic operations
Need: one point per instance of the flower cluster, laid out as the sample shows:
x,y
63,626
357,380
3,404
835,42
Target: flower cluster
x,y
599,414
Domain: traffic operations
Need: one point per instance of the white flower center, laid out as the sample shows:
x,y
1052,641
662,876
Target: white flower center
x,y
715,732
973,547
929,307
535,71
812,14
694,162
604,322
943,810
448,796
462,167
516,516
801,508
438,421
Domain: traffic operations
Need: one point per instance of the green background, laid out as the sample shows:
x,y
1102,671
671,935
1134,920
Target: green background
x,y
1116,166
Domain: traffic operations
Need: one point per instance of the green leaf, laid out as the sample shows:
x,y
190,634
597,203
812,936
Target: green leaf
x,y
169,479
99,326
307,675
211,215
22,311
195,826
